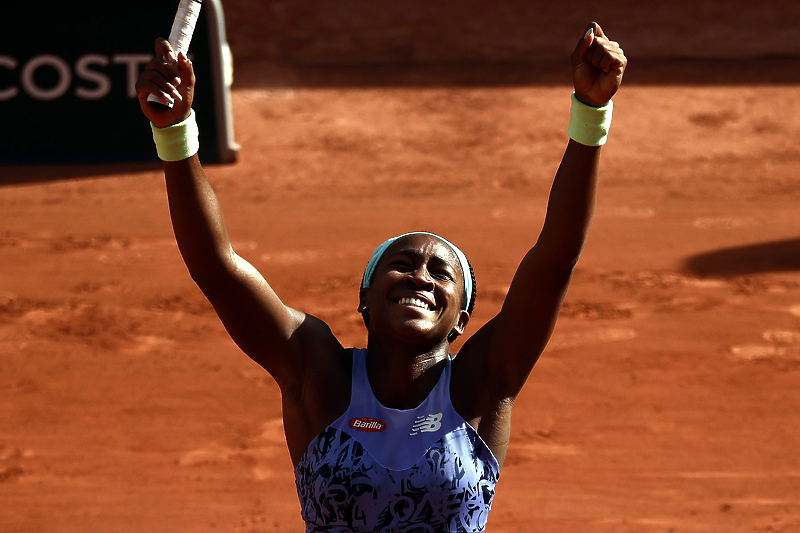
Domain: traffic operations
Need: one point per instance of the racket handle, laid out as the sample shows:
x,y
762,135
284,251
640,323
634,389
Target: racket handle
x,y
183,26
179,37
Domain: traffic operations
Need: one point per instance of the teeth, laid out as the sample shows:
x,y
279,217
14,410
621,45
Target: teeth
x,y
415,302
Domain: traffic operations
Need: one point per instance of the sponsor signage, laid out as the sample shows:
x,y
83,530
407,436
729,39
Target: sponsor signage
x,y
367,424
67,76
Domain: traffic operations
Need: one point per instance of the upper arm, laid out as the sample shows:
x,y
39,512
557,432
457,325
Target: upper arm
x,y
274,335
513,341
510,344
271,333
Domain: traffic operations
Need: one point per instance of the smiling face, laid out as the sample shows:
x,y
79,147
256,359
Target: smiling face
x,y
417,290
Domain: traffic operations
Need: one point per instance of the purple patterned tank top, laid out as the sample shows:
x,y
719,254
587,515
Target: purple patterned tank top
x,y
377,469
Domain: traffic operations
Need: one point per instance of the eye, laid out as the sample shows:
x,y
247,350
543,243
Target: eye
x,y
400,265
443,275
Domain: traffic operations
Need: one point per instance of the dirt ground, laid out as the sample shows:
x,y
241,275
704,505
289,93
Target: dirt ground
x,y
667,401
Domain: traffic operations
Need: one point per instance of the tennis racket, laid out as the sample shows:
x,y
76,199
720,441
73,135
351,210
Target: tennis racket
x,y
180,36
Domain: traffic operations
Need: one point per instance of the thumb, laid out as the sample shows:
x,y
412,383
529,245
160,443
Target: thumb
x,y
184,67
583,45
164,49
187,80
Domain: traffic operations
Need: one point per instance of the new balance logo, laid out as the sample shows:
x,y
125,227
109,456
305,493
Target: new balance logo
x,y
427,424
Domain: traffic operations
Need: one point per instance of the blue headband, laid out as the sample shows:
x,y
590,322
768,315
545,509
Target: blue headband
x,y
462,259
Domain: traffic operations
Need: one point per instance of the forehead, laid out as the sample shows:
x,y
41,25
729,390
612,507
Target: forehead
x,y
426,246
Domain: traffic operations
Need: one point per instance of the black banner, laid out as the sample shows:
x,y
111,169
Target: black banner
x,y
67,75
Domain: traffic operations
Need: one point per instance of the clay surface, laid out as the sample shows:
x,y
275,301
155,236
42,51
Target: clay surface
x,y
667,401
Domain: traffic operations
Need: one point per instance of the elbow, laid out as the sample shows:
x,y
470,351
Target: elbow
x,y
562,249
209,270
565,262
562,268
562,274
204,278
571,261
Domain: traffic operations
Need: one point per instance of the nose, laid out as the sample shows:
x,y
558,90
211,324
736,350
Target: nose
x,y
421,277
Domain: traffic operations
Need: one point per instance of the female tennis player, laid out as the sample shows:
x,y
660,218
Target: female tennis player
x,y
402,435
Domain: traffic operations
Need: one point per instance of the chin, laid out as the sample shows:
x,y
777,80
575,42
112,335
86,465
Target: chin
x,y
413,330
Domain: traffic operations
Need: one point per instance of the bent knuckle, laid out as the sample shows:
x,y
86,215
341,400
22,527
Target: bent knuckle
x,y
147,75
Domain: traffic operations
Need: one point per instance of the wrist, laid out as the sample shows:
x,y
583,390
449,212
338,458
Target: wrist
x,y
179,141
589,125
590,102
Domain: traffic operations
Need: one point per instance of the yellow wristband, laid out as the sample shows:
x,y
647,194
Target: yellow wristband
x,y
179,141
589,125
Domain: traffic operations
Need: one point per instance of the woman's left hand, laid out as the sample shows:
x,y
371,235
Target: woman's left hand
x,y
597,67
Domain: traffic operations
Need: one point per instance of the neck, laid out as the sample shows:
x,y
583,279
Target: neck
x,y
403,378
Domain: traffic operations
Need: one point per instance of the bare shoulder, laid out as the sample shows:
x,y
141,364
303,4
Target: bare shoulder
x,y
470,387
320,352
474,396
311,333
318,392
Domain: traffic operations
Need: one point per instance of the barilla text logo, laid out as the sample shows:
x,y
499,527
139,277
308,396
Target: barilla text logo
x,y
367,424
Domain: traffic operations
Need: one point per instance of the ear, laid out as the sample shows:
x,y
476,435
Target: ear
x,y
362,300
461,325
458,329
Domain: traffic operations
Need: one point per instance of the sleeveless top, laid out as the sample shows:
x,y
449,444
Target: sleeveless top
x,y
377,469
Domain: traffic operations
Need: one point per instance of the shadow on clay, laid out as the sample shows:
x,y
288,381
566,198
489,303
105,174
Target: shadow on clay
x,y
40,173
774,256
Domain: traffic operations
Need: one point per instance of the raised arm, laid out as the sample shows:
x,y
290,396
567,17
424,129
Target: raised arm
x,y
512,342
267,330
